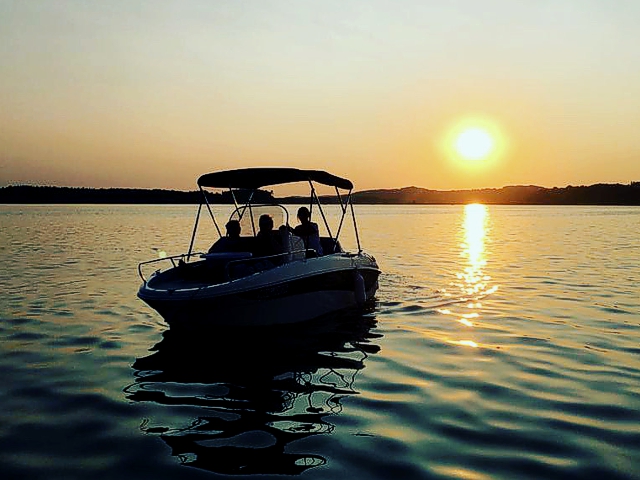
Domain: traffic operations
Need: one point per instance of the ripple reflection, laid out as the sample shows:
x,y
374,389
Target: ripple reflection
x,y
255,392
472,281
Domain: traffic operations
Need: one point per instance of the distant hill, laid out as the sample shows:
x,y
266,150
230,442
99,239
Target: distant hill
x,y
45,194
599,194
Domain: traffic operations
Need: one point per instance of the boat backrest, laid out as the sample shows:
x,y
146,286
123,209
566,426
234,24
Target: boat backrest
x,y
242,244
329,245
250,244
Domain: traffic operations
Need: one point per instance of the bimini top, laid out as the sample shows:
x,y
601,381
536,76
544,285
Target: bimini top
x,y
253,178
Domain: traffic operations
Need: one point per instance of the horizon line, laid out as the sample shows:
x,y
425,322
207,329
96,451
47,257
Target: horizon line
x,y
630,183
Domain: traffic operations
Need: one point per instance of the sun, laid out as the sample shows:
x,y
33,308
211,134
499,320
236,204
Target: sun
x,y
474,144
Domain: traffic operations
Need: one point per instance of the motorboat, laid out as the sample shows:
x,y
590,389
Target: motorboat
x,y
240,283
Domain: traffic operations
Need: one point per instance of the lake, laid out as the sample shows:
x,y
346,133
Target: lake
x,y
505,343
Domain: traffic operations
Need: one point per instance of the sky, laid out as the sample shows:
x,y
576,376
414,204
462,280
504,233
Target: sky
x,y
152,94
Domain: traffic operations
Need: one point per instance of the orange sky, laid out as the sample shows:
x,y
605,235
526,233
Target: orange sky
x,y
153,94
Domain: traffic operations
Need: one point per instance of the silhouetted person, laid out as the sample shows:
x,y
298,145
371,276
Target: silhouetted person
x,y
231,242
308,231
233,229
265,225
268,243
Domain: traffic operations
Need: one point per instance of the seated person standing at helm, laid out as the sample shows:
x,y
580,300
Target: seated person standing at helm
x,y
308,231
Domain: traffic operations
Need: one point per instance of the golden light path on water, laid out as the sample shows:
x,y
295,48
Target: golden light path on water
x,y
472,281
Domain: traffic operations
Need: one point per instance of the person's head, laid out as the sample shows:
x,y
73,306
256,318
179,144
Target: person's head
x,y
265,223
304,215
233,228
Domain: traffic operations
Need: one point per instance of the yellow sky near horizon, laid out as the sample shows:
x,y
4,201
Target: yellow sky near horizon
x,y
153,94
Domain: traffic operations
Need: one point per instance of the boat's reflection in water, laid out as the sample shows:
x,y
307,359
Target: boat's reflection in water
x,y
255,391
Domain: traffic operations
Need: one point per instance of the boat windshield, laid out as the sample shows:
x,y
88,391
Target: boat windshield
x,y
249,217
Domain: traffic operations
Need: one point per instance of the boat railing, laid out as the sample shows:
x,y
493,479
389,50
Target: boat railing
x,y
180,258
251,265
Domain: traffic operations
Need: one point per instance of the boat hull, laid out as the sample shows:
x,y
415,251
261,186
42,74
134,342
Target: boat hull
x,y
293,293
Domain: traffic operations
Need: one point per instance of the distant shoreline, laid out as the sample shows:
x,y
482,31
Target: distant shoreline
x,y
597,194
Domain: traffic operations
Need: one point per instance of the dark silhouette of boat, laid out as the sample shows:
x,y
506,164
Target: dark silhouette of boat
x,y
243,285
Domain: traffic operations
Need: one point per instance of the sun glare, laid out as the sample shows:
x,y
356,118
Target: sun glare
x,y
474,144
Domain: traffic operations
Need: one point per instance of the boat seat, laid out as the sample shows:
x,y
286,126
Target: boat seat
x,y
250,244
243,244
329,245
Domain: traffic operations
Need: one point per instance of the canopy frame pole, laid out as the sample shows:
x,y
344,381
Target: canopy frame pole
x,y
195,228
315,196
342,207
355,225
235,202
237,205
253,222
204,194
310,198
246,206
344,210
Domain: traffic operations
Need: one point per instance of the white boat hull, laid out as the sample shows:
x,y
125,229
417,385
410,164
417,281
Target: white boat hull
x,y
295,292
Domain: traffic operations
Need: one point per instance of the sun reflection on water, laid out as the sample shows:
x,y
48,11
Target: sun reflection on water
x,y
473,282
466,343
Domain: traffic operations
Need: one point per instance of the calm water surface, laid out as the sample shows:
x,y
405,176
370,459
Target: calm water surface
x,y
505,344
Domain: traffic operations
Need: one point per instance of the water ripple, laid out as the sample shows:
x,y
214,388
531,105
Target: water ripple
x,y
505,344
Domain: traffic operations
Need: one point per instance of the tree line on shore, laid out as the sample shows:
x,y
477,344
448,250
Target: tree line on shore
x,y
598,194
35,194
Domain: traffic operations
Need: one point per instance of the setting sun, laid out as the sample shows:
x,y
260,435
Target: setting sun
x,y
474,144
